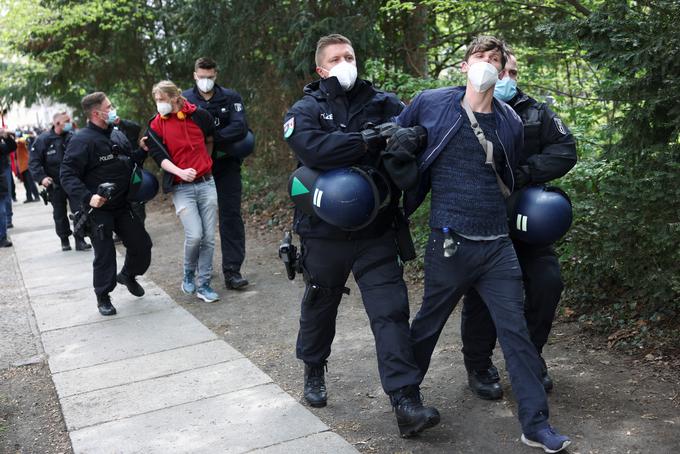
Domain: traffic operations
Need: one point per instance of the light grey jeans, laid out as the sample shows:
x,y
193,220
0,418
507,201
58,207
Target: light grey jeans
x,y
196,206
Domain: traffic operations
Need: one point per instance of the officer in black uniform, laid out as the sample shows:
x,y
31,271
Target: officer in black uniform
x,y
226,107
46,155
324,129
100,154
549,152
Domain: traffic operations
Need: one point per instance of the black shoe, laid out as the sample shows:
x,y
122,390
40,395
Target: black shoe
x,y
5,243
131,284
104,305
545,377
82,245
65,245
234,281
412,416
486,383
315,386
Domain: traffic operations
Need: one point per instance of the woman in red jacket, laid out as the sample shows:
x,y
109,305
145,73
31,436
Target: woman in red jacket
x,y
180,138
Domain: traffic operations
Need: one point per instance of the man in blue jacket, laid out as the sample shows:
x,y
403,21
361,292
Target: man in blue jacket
x,y
326,130
549,152
226,107
472,150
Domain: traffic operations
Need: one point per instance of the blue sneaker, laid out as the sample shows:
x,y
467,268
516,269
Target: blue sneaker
x,y
207,294
547,439
188,285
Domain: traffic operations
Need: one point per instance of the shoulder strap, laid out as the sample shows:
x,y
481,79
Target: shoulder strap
x,y
486,145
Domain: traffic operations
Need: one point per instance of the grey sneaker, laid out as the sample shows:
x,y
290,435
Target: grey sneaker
x,y
188,285
207,294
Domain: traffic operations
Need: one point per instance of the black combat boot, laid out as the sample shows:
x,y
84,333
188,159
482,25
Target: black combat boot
x,y
131,284
104,305
315,385
412,416
486,383
545,377
234,281
81,244
65,245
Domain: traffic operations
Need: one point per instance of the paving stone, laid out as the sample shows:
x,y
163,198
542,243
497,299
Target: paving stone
x,y
237,422
143,367
321,443
121,338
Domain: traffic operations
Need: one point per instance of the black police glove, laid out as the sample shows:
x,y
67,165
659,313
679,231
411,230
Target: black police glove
x,y
409,140
375,137
522,176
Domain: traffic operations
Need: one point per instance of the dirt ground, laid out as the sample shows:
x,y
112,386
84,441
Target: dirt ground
x,y
606,401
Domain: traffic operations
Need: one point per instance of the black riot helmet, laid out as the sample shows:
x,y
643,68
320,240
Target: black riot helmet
x,y
539,215
349,197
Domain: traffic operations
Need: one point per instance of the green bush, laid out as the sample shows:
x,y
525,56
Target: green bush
x,y
621,258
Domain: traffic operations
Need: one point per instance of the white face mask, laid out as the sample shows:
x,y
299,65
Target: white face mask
x,y
164,108
205,85
346,74
482,76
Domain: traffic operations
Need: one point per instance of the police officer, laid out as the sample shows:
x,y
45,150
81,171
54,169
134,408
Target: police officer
x,y
47,153
324,129
549,152
7,145
226,107
100,154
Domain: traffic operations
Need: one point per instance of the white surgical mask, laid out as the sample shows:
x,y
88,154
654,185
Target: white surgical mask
x,y
164,108
482,76
205,85
346,74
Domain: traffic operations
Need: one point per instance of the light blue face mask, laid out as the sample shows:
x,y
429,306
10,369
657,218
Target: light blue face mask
x,y
68,126
112,117
506,89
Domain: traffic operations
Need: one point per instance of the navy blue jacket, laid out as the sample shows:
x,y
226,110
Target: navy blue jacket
x,y
229,113
46,155
435,111
327,135
94,156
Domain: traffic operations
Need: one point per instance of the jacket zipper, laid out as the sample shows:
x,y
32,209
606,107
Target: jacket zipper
x,y
507,162
442,141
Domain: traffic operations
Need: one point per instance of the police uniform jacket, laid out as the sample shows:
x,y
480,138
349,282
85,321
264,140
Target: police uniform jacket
x,y
549,150
94,156
229,114
326,125
47,153
7,145
436,111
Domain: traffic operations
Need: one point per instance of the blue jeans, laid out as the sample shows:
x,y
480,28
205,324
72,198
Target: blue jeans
x,y
492,269
3,214
8,203
196,206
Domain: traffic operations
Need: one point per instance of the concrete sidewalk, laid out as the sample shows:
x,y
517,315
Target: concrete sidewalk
x,y
151,379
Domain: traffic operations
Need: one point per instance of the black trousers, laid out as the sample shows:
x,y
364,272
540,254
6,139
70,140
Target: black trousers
x,y
232,231
490,267
59,201
135,239
379,275
30,186
543,287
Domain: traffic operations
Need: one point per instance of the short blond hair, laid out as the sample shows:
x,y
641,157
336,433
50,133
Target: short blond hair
x,y
168,87
326,41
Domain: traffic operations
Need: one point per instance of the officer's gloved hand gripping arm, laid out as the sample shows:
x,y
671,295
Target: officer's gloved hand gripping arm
x,y
321,149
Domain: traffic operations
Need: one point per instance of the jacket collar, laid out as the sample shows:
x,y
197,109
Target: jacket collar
x,y
94,127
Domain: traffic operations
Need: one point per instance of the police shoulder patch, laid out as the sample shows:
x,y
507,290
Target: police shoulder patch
x,y
238,106
560,126
288,128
